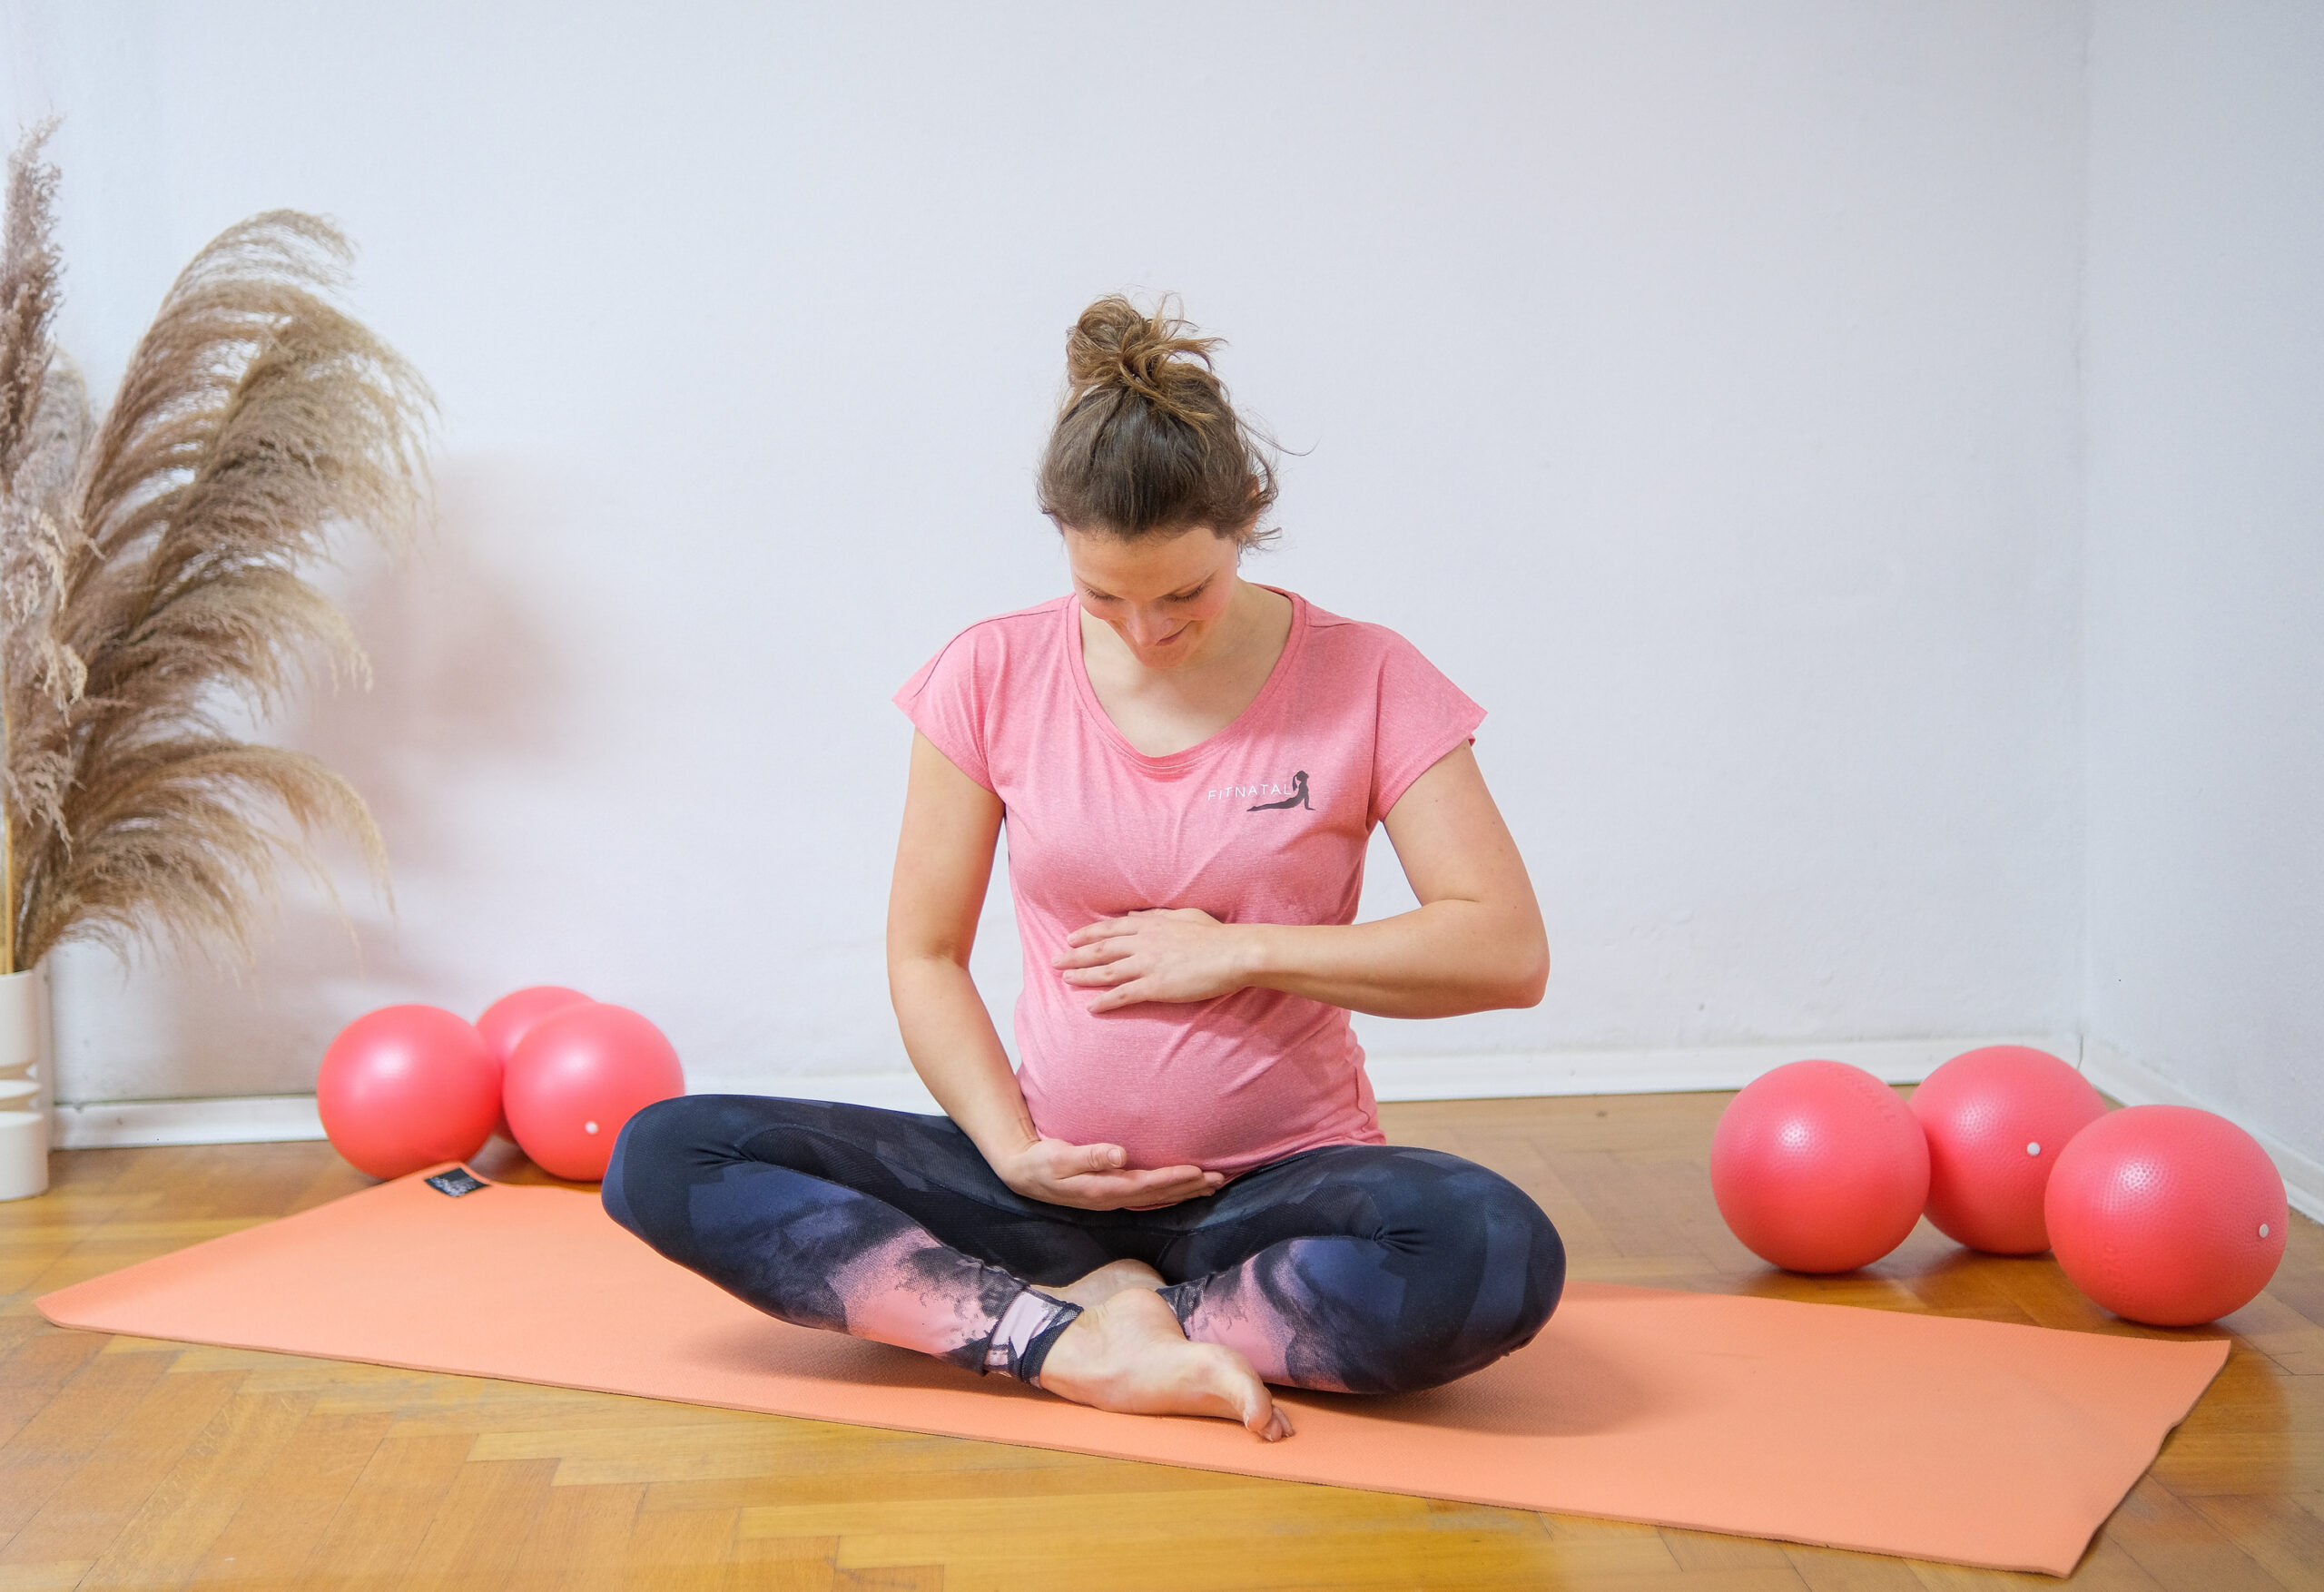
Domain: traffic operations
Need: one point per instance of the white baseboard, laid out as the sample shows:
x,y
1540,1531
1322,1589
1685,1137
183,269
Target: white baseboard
x,y
236,1119
1516,1074
1505,1075
1500,1075
1513,1073
2135,1083
889,1091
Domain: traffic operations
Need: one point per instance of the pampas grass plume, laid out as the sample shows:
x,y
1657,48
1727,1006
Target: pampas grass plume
x,y
151,572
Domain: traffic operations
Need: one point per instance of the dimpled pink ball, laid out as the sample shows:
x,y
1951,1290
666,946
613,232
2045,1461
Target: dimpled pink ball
x,y
1996,1119
1818,1167
2167,1215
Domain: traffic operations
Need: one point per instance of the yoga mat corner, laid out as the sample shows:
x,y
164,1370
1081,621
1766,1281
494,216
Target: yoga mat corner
x,y
1975,1442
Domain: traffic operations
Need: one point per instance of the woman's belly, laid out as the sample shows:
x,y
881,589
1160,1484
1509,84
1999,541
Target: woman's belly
x,y
1225,1085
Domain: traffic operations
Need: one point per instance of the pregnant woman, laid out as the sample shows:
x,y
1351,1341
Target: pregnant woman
x,y
1184,1195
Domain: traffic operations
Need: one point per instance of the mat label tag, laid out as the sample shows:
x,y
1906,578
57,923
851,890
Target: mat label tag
x,y
457,1182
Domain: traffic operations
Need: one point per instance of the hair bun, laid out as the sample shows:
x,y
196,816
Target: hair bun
x,y
1146,440
1116,346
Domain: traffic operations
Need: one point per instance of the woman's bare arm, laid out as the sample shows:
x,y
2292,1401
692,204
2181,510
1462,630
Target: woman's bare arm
x,y
943,862
1474,943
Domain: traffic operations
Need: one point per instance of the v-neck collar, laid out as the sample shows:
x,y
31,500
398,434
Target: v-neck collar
x,y
1078,666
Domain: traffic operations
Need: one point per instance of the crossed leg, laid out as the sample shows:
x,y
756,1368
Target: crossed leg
x,y
1354,1268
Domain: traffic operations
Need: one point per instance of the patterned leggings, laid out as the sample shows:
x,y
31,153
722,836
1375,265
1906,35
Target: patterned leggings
x,y
1356,1268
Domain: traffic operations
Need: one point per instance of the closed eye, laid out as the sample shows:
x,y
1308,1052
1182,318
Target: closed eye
x,y
1188,595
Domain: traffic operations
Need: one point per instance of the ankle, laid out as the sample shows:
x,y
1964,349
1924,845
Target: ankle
x,y
1026,1332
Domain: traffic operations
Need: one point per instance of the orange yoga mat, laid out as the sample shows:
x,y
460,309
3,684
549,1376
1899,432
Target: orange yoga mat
x,y
1972,1442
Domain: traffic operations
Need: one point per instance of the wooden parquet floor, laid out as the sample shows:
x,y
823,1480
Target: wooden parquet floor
x,y
127,1462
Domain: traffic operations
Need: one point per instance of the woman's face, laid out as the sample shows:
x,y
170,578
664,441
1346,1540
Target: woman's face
x,y
1163,595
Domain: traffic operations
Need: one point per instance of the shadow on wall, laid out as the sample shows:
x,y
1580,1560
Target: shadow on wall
x,y
467,683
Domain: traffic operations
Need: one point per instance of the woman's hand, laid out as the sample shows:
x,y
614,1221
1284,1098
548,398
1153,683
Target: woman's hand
x,y
1169,954
1093,1177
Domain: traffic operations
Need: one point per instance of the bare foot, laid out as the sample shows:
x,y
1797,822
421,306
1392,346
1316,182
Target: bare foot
x,y
1107,1281
1127,1354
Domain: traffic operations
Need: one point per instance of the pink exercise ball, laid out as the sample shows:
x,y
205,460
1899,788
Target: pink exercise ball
x,y
512,1016
577,1077
1996,1119
1818,1167
2167,1215
509,1019
407,1086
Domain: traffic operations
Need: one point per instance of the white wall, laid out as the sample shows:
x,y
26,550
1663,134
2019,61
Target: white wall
x,y
1696,384
2206,558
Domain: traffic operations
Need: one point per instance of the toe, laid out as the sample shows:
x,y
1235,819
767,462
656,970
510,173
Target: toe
x,y
1261,1414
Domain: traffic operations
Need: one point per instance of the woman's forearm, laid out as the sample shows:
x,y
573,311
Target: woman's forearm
x,y
1438,961
950,1036
1475,943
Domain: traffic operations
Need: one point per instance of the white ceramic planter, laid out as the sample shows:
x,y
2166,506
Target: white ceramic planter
x,y
23,1075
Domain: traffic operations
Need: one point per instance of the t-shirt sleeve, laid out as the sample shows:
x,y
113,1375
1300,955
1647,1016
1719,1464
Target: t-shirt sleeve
x,y
945,703
1423,716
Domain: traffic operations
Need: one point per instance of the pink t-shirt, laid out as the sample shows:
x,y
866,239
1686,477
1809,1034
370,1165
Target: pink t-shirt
x,y
1264,822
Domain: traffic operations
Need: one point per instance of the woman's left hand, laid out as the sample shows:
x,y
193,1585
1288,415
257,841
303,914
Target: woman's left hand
x,y
1168,953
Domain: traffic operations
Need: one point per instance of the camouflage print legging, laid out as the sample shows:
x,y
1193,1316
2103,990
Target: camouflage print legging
x,y
1356,1268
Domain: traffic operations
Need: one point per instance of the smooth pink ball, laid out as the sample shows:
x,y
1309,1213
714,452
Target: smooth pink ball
x,y
577,1077
1996,1119
407,1087
2167,1215
1818,1167
512,1016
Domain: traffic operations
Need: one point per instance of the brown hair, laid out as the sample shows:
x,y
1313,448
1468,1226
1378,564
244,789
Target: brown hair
x,y
1146,441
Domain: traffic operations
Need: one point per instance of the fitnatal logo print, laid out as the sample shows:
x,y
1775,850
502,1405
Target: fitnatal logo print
x,y
1294,794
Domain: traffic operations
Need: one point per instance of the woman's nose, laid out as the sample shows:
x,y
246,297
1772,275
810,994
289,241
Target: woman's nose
x,y
1147,629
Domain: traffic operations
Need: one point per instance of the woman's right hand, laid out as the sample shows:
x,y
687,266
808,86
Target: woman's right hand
x,y
1095,1177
